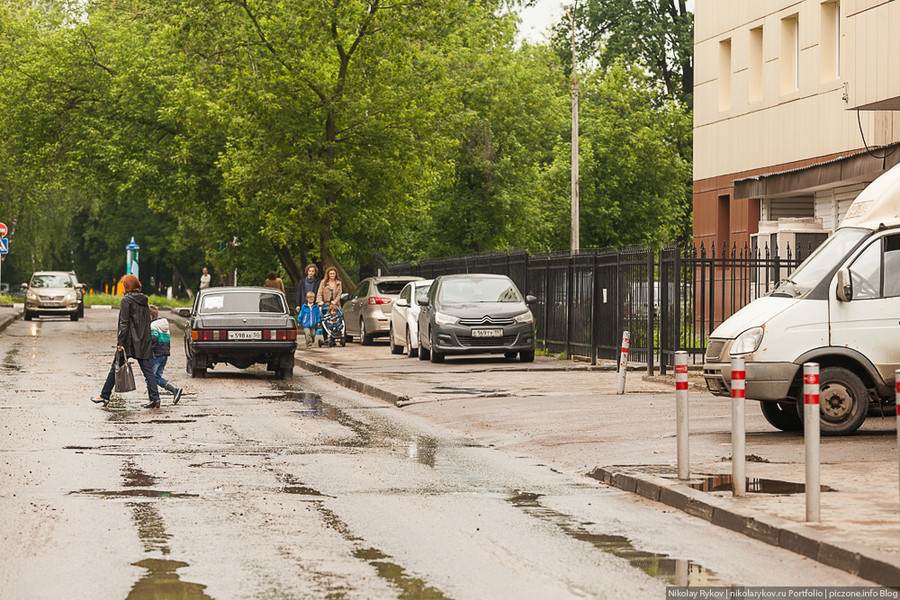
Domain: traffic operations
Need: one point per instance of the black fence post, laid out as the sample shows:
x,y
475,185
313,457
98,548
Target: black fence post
x,y
595,307
651,321
570,267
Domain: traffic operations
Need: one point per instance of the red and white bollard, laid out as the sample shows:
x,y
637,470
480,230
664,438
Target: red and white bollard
x,y
681,414
738,428
811,439
623,360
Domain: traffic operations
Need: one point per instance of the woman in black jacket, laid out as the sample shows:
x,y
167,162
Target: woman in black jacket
x,y
133,337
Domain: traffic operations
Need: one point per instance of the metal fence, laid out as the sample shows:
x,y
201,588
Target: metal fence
x,y
668,300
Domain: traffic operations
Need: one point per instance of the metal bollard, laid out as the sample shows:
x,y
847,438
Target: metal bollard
x,y
811,439
681,414
738,429
623,360
897,398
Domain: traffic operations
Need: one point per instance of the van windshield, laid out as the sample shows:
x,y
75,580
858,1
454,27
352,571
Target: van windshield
x,y
822,262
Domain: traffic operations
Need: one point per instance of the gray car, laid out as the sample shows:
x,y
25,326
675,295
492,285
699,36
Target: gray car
x,y
367,312
475,314
240,326
52,293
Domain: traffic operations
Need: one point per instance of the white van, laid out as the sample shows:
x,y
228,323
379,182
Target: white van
x,y
839,308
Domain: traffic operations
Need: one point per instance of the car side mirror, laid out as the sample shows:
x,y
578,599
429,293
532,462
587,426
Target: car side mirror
x,y
402,302
844,290
530,299
24,286
184,312
423,301
80,286
344,297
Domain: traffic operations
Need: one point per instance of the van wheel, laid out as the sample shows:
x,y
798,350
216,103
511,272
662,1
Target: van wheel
x,y
843,401
782,415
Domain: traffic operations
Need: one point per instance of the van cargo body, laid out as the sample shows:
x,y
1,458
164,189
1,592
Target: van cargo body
x,y
839,308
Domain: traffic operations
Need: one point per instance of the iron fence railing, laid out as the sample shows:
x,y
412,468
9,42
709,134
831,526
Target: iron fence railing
x,y
668,300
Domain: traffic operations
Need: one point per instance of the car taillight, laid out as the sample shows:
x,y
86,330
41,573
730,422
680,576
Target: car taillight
x,y
209,335
279,334
379,300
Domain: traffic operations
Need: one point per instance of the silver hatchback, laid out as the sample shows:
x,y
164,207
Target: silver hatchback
x,y
52,293
367,312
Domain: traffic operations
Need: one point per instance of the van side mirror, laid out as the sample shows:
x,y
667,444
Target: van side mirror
x,y
844,289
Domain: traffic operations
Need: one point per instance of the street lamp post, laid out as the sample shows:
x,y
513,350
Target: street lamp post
x,y
575,219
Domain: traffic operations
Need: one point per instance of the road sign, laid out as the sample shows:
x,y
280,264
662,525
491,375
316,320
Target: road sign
x,y
4,246
2,230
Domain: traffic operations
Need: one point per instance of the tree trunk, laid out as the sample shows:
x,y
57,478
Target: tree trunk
x,y
290,265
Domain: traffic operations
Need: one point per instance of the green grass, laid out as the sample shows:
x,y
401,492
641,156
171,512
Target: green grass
x,y
112,300
7,299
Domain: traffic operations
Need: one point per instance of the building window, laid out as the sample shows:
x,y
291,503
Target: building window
x,y
755,91
830,43
725,74
790,54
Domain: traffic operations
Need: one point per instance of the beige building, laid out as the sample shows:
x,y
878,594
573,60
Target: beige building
x,y
796,109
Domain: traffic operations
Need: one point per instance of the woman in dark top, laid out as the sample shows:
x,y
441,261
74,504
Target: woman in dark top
x,y
310,283
133,337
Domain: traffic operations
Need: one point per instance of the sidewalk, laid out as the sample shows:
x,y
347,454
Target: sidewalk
x,y
568,415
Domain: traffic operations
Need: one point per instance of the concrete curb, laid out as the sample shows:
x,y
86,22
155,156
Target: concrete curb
x,y
797,537
7,321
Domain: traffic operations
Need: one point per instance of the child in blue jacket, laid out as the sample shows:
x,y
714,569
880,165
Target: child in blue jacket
x,y
309,318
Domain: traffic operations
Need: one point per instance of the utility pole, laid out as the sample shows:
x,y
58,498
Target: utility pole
x,y
575,229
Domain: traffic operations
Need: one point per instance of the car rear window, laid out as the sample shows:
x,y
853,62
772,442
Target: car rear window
x,y
391,287
470,290
242,302
51,281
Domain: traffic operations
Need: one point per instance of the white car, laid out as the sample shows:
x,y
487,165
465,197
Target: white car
x,y
404,327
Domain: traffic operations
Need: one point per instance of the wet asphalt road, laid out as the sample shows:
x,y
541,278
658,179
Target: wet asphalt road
x,y
257,488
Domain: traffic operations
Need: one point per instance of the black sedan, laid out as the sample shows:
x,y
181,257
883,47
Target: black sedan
x,y
475,314
241,326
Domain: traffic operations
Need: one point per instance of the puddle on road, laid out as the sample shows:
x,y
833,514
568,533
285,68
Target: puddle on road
x,y
135,477
151,528
135,493
675,571
723,483
409,587
9,361
162,581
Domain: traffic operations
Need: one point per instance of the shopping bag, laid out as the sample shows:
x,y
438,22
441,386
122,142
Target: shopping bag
x,y
124,376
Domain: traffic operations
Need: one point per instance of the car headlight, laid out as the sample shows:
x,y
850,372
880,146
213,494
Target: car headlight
x,y
71,296
747,342
525,317
442,319
31,295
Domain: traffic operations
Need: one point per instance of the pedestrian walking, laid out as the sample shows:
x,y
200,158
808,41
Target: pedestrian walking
x,y
309,318
162,347
274,281
205,279
308,284
134,339
330,289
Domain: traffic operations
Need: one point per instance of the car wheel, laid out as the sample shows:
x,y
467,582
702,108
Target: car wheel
x,y
436,357
410,351
28,316
526,355
510,355
284,373
424,353
782,415
843,401
81,311
364,338
395,349
195,371
74,316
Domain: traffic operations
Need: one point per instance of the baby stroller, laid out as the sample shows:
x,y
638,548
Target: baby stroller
x,y
333,329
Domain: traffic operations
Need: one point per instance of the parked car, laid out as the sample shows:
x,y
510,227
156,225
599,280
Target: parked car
x,y
839,309
241,326
404,326
79,291
51,293
475,314
367,312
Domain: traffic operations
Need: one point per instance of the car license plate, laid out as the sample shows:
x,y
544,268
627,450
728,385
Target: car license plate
x,y
487,333
244,335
